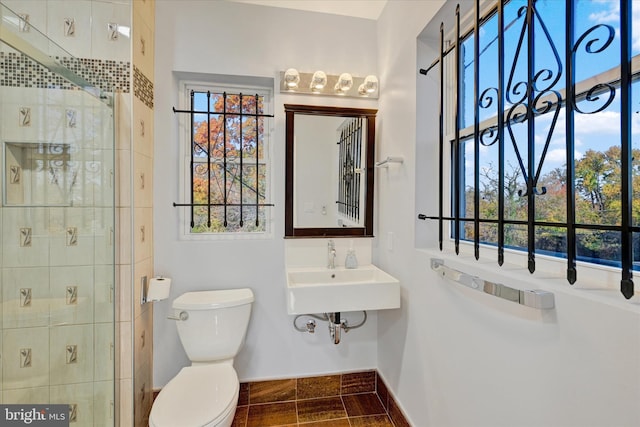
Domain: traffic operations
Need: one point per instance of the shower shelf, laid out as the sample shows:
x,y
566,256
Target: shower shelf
x,y
38,174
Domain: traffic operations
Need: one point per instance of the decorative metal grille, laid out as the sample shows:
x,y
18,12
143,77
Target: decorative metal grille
x,y
535,86
227,170
350,161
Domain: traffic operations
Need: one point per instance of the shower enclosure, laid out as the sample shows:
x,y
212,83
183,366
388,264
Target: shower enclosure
x,y
56,227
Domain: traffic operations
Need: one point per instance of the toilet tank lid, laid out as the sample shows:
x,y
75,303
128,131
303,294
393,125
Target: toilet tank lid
x,y
206,300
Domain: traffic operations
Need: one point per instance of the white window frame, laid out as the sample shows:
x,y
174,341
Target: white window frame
x,y
185,88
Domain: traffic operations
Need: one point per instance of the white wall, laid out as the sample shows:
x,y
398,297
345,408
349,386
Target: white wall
x,y
455,357
451,357
248,40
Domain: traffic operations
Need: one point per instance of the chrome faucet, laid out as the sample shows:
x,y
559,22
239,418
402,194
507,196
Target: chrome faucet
x,y
331,254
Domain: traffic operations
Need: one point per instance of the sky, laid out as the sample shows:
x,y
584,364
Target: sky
x,y
596,131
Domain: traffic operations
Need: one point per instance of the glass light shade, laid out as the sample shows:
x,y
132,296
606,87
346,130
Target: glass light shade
x,y
370,84
345,81
319,80
291,78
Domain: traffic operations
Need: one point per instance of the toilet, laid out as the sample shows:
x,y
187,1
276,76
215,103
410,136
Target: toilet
x,y
212,326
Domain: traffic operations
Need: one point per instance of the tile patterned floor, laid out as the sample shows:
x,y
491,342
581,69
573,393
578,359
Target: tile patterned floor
x,y
347,400
338,411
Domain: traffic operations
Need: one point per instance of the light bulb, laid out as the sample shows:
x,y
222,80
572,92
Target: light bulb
x,y
291,78
319,80
370,83
345,81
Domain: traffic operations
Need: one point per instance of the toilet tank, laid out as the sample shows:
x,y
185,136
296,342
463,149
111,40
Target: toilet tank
x,y
216,323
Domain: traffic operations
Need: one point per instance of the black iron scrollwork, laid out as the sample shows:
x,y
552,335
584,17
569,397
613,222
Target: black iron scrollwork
x,y
488,136
519,89
526,103
594,45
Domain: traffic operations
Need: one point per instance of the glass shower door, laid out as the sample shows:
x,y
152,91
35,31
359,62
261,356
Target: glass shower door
x,y
57,233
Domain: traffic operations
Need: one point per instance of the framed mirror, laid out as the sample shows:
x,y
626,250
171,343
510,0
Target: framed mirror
x,y
330,155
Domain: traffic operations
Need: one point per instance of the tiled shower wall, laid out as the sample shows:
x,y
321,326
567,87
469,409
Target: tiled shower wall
x,y
107,37
142,203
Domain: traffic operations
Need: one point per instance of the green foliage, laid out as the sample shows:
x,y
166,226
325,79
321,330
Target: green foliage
x,y
598,202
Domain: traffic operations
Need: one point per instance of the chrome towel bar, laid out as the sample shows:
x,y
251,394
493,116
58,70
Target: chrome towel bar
x,y
385,163
531,298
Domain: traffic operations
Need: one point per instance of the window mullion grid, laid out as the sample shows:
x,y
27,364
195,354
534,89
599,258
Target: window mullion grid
x,y
572,273
626,284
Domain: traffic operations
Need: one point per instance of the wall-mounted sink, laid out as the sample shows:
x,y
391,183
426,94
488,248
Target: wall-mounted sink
x,y
323,290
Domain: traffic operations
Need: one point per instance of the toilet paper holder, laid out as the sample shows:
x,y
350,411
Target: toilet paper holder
x,y
157,289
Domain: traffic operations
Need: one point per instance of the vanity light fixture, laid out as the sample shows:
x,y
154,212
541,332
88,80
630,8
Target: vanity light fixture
x,y
318,81
344,84
321,83
291,78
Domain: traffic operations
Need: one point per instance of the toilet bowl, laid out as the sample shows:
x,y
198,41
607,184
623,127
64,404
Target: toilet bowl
x,y
202,395
212,326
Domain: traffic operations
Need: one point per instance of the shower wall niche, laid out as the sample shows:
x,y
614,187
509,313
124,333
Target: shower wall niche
x,y
39,174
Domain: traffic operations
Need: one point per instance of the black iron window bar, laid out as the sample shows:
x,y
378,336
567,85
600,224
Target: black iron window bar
x,y
534,101
226,162
350,161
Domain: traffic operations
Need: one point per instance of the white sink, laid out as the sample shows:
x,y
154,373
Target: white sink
x,y
323,290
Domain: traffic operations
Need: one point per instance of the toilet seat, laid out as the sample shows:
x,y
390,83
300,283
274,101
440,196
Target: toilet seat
x,y
201,395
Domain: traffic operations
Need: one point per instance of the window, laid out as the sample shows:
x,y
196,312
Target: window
x,y
350,168
226,154
539,106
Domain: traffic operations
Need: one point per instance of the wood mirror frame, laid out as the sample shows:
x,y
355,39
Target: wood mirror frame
x,y
290,231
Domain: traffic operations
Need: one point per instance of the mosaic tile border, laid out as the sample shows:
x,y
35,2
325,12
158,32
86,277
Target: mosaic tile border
x,y
18,70
142,87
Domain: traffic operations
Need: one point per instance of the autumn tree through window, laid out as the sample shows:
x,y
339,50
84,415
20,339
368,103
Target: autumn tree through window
x,y
228,162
